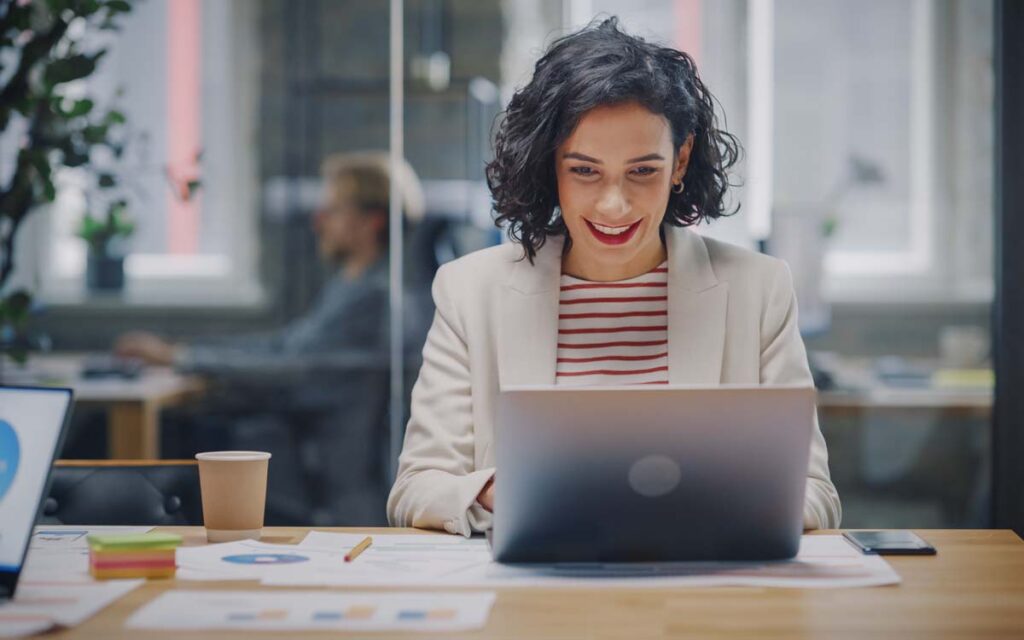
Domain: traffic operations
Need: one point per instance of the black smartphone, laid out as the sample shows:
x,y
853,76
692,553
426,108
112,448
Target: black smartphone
x,y
901,542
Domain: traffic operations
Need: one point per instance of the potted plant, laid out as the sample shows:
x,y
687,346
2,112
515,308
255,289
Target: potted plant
x,y
107,238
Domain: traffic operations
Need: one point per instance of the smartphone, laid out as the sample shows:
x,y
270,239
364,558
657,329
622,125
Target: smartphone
x,y
900,542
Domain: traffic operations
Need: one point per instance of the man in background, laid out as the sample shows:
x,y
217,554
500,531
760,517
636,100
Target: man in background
x,y
314,393
351,312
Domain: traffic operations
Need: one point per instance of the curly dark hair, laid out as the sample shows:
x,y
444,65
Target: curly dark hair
x,y
600,65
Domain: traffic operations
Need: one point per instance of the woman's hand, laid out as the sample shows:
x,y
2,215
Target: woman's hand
x,y
486,496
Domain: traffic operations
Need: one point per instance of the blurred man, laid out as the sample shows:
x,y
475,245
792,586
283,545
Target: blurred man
x,y
352,309
313,393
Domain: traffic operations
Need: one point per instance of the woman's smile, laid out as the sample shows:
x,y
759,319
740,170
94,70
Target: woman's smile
x,y
617,235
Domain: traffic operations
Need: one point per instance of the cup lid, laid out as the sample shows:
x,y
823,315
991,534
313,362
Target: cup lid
x,y
233,456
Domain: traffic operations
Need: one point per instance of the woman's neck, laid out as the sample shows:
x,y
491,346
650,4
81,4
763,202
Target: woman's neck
x,y
577,267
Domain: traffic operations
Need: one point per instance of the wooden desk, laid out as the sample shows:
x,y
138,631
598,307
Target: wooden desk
x,y
133,406
974,589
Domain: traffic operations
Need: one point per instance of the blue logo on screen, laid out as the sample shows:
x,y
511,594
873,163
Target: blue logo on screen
x,y
9,454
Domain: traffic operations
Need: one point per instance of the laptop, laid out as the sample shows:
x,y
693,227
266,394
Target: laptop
x,y
33,421
640,474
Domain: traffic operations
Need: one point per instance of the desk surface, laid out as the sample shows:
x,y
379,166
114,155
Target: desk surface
x,y
973,588
160,385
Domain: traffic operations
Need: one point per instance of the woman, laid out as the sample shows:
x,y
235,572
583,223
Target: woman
x,y
601,164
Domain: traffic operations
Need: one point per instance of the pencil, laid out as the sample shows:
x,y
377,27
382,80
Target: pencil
x,y
359,548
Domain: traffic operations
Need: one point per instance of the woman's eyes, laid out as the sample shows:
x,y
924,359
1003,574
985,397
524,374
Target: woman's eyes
x,y
645,171
587,172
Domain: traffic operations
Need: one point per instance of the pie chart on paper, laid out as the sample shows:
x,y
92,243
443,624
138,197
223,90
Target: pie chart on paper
x,y
265,558
10,453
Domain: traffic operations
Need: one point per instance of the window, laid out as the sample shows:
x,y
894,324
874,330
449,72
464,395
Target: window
x,y
864,96
187,69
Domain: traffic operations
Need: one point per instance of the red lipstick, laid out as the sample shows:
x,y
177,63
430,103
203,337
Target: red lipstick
x,y
617,239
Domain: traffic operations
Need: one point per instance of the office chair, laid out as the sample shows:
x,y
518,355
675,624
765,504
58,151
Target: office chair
x,y
124,492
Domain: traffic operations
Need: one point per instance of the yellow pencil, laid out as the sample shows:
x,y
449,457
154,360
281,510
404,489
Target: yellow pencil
x,y
359,548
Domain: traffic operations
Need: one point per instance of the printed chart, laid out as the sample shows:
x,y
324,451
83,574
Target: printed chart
x,y
408,611
251,560
265,558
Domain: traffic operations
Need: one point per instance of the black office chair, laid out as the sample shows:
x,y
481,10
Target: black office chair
x,y
129,492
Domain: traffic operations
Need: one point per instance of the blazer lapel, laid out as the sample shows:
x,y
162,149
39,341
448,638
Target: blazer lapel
x,y
528,339
697,304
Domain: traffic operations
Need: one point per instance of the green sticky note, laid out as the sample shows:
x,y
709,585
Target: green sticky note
x,y
153,540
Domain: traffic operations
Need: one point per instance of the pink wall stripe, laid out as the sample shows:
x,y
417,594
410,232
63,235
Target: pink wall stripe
x,y
686,14
183,123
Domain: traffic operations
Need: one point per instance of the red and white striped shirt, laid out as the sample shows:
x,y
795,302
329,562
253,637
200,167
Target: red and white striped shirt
x,y
613,332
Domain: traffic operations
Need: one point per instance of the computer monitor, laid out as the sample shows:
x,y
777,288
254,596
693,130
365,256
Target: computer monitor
x,y
33,421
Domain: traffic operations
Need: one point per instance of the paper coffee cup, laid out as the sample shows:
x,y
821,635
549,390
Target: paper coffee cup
x,y
234,489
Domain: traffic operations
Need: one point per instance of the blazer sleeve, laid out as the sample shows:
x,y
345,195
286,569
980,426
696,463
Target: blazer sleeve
x,y
784,361
437,482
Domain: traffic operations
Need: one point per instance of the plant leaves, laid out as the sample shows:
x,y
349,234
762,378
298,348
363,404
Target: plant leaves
x,y
71,68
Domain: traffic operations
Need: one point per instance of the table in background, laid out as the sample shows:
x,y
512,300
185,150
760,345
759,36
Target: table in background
x,y
974,588
133,405
860,389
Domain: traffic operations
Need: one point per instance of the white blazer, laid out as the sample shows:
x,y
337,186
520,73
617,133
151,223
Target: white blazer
x,y
732,318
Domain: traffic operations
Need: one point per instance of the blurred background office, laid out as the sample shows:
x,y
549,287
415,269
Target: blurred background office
x,y
869,166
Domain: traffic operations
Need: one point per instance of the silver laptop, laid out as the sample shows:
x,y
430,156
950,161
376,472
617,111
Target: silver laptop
x,y
668,473
32,425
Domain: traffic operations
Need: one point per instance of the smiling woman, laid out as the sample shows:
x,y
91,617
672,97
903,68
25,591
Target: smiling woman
x,y
601,162
630,102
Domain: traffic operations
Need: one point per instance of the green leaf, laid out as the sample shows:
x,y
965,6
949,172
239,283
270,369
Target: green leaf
x,y
71,68
89,229
14,308
119,6
49,191
115,117
80,108
95,133
86,8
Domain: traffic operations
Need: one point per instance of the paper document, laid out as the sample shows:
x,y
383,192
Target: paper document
x,y
61,553
38,606
453,561
253,560
314,610
393,559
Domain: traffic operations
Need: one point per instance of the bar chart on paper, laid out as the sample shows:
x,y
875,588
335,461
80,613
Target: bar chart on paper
x,y
305,610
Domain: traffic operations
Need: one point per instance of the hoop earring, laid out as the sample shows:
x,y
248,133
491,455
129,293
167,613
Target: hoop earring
x,y
678,187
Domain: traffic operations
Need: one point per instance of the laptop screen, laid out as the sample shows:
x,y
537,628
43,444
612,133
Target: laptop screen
x,y
31,427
